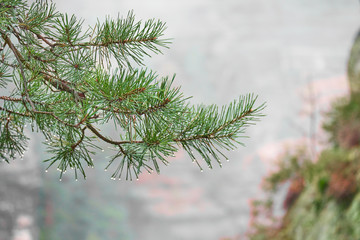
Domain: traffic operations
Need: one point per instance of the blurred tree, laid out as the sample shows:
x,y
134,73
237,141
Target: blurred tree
x,y
66,83
354,67
323,198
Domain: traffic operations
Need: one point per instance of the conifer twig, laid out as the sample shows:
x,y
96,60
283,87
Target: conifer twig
x,y
67,82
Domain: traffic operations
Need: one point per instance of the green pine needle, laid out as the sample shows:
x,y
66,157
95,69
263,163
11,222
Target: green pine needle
x,y
71,85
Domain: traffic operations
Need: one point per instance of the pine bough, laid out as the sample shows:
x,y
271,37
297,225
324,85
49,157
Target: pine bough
x,y
67,83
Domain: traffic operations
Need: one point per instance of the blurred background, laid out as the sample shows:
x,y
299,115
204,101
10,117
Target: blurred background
x,y
291,53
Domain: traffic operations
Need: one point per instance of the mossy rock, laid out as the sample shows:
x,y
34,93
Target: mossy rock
x,y
315,216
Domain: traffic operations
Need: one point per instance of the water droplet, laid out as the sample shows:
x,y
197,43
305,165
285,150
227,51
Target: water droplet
x,y
105,169
227,160
46,170
76,180
102,150
201,170
60,179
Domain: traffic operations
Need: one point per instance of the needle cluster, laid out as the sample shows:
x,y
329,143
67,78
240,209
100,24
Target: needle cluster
x,y
72,85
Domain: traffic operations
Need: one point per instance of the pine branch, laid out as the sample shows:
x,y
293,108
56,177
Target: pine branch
x,y
71,83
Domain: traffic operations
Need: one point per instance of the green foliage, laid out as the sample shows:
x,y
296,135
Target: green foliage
x,y
323,184
353,67
290,166
327,206
343,122
70,84
12,139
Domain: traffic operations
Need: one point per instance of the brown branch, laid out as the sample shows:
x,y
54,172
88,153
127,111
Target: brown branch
x,y
17,113
20,59
63,86
73,146
104,44
146,111
82,120
205,136
128,94
212,134
105,139
154,108
233,121
46,113
43,39
10,99
51,50
59,119
7,98
56,82
8,64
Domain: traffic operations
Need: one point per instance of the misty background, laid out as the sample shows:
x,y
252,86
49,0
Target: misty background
x,y
284,51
